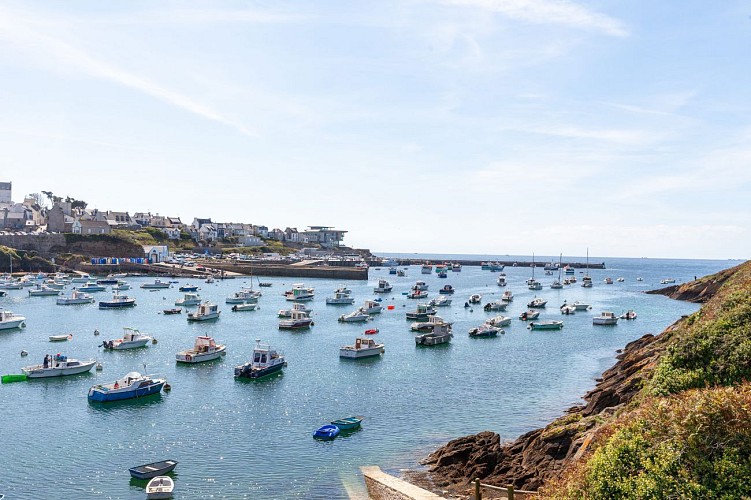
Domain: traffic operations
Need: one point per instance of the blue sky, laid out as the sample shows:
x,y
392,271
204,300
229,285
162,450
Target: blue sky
x,y
457,126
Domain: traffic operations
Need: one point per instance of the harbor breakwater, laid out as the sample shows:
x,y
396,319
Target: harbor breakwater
x,y
505,263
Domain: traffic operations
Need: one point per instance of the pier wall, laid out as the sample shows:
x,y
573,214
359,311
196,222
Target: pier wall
x,y
328,272
506,263
382,486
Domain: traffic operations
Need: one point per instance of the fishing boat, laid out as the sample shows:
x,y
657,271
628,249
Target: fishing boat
x,y
501,281
326,432
58,366
484,330
264,284
420,285
148,471
630,314
475,298
362,348
299,293
537,303
440,301
441,334
157,284
581,306
204,349
568,309
131,339
545,325
421,313
133,385
75,297
92,287
348,423
605,318
426,269
414,293
357,316
457,268
507,296
427,326
121,286
496,305
667,281
205,312
443,274
188,288
189,299
297,306
41,290
81,278
296,321
529,315
446,290
383,287
499,321
9,320
340,298
244,296
117,302
174,310
401,272
160,487
244,307
371,307
265,361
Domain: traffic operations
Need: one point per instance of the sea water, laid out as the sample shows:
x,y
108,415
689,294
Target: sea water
x,y
253,439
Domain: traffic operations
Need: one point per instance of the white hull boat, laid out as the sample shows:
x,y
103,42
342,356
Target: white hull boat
x,y
58,366
205,349
132,339
362,348
160,487
76,297
8,320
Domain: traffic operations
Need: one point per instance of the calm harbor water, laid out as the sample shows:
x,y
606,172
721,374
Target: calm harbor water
x,y
238,439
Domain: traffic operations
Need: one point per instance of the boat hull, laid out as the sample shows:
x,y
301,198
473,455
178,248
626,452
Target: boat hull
x,y
205,317
58,372
103,396
245,371
71,302
152,470
192,358
117,305
9,325
360,353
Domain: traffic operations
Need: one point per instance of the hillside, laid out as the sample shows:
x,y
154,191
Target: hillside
x,y
658,424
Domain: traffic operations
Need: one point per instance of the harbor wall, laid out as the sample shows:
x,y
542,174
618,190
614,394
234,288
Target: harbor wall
x,y
382,486
506,263
52,244
327,272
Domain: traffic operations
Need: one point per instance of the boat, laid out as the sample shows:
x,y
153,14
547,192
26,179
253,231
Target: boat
x,y
581,306
529,315
475,298
58,365
499,321
605,318
421,313
131,339
383,286
160,487
545,325
630,314
244,296
205,312
371,307
420,285
569,270
244,307
608,281
92,287
440,301
537,303
295,321
189,299
568,309
75,297
204,349
326,432
264,284
340,298
156,284
501,281
362,348
188,288
556,284
484,330
446,290
426,269
417,294
587,279
443,274
427,326
43,291
148,471
107,281
456,267
174,310
297,306
496,305
507,296
121,286
357,316
620,279
639,279
534,285
81,278
441,334
371,331
348,423
210,279
299,293
133,385
667,281
61,338
392,270
117,302
265,361
9,320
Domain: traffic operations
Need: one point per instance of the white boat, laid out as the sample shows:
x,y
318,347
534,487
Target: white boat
x,y
485,330
117,302
414,293
43,291
608,281
620,279
556,284
246,306
340,298
8,320
420,285
630,314
383,286
343,289
295,321
426,269
265,361
362,348
205,312
204,349
587,279
507,296
496,305
245,295
475,298
76,297
160,487
371,307
440,301
92,286
81,278
667,281
131,339
546,325
568,309
299,293
422,312
534,285
189,299
58,366
121,286
581,306
156,284
427,326
499,321
537,303
501,281
60,338
357,316
441,334
605,318
297,306
529,315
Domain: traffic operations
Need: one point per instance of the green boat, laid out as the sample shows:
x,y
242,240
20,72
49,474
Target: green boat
x,y
348,423
546,325
7,379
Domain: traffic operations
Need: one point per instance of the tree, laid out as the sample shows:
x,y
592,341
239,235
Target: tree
x,y
38,199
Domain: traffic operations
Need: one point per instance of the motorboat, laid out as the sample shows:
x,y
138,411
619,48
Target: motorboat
x,y
148,471
420,285
297,306
206,311
357,316
475,298
299,293
620,279
188,288
630,314
529,315
81,278
244,296
371,307
265,361
245,307
568,309
189,299
537,303
9,320
456,267
667,281
501,281
157,284
295,321
117,302
446,290
605,318
58,366
414,293
121,286
204,349
343,289
426,269
61,338
75,297
581,306
608,281
401,272
92,287
496,305
340,298
587,282
534,285
545,325
443,274
133,385
440,301
131,339
567,269
383,287
507,296
392,270
441,334
485,330
362,348
427,326
421,313
43,291
499,321
174,310
160,487
326,432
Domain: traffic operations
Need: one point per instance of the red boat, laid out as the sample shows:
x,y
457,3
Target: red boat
x,y
372,331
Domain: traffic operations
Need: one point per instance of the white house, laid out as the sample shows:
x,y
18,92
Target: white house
x,y
156,253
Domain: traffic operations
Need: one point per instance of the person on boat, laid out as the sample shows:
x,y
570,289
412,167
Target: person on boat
x,y
46,360
116,386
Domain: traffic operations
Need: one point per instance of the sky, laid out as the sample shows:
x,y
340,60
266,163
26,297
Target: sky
x,y
440,126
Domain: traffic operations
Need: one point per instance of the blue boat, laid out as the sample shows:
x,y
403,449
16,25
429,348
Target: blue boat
x,y
188,288
349,423
326,432
132,385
